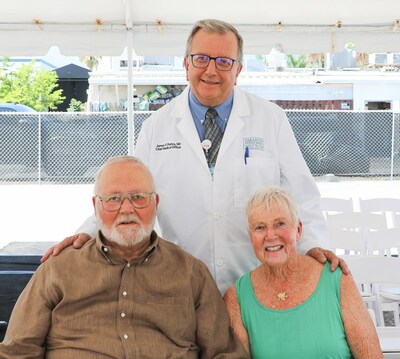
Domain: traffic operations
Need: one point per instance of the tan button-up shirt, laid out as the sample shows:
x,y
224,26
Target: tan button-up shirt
x,y
90,303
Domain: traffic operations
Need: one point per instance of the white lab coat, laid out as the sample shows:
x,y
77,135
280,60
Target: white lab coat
x,y
205,215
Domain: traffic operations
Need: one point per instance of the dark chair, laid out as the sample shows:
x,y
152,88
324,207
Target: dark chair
x,y
15,273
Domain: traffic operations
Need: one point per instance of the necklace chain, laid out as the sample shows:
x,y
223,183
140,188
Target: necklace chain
x,y
282,296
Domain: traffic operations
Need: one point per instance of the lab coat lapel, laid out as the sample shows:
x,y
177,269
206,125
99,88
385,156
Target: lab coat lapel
x,y
187,128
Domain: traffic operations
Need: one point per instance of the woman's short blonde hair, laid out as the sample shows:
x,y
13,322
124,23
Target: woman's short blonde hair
x,y
273,194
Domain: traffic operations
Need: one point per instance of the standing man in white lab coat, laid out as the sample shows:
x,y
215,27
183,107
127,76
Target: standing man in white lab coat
x,y
202,207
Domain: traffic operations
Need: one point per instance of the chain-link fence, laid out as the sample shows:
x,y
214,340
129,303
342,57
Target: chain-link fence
x,y
70,147
348,143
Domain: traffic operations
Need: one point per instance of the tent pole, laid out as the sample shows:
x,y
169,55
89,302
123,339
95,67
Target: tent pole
x,y
131,123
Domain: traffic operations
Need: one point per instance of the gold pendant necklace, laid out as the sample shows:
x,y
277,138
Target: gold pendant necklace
x,y
282,296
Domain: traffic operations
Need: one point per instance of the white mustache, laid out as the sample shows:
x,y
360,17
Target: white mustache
x,y
126,218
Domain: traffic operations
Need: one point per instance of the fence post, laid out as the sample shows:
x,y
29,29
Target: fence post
x,y
130,114
40,149
392,149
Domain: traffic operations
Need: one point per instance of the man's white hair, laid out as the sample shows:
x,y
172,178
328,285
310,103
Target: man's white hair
x,y
119,159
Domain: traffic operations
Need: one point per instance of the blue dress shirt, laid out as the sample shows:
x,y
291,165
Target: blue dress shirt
x,y
199,113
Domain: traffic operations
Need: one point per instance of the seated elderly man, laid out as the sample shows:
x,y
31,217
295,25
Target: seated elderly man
x,y
127,293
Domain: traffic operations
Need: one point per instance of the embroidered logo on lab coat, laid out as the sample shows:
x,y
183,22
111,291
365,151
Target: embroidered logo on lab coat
x,y
253,143
169,146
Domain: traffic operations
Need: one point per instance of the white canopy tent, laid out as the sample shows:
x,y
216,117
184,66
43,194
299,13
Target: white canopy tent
x,y
159,27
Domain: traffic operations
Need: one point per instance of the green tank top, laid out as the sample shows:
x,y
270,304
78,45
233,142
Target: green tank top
x,y
312,330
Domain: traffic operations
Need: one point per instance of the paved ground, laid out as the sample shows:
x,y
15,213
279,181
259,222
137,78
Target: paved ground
x,y
33,217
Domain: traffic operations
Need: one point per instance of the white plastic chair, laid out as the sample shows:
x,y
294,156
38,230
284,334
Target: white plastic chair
x,y
357,221
341,223
384,242
396,221
389,338
330,205
373,316
389,206
345,241
390,297
379,271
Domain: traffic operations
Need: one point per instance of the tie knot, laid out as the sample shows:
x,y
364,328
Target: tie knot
x,y
211,113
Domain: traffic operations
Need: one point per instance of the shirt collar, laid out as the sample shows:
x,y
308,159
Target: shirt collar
x,y
112,258
224,109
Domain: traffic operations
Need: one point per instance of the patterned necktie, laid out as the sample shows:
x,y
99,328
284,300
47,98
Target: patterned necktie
x,y
214,134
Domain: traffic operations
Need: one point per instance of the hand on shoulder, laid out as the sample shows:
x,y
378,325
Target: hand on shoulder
x,y
76,240
322,255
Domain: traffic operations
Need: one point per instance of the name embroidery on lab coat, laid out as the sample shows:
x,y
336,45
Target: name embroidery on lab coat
x,y
169,146
253,143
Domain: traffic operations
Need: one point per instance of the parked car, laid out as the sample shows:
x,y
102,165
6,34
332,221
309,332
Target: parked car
x,y
15,107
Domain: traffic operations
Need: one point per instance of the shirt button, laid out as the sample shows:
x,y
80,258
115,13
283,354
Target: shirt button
x,y
105,249
125,336
123,315
124,293
128,265
216,215
220,262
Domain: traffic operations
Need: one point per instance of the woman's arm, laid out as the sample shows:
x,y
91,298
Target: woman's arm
x,y
232,304
358,325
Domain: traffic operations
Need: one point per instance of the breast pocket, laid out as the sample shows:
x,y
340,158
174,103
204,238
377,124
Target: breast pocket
x,y
172,315
256,174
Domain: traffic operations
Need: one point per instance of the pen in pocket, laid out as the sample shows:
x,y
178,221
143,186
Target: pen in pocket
x,y
246,155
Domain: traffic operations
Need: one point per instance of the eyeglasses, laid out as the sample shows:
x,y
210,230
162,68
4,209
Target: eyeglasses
x,y
113,203
221,63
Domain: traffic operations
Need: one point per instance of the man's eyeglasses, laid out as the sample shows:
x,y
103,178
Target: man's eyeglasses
x,y
221,63
113,202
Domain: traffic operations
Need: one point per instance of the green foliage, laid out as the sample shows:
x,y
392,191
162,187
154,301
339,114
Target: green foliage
x,y
91,61
29,85
75,106
5,83
263,59
296,61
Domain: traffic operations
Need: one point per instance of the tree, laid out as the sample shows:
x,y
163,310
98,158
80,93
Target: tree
x,y
91,61
296,61
5,83
75,106
29,85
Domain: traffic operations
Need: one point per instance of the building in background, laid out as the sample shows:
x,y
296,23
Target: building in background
x,y
335,83
74,81
72,74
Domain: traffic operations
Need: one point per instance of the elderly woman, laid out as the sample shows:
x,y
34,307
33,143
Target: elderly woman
x,y
291,306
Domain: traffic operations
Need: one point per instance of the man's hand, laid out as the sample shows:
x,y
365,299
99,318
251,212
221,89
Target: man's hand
x,y
323,255
77,241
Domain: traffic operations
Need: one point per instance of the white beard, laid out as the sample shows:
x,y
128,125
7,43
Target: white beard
x,y
128,236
